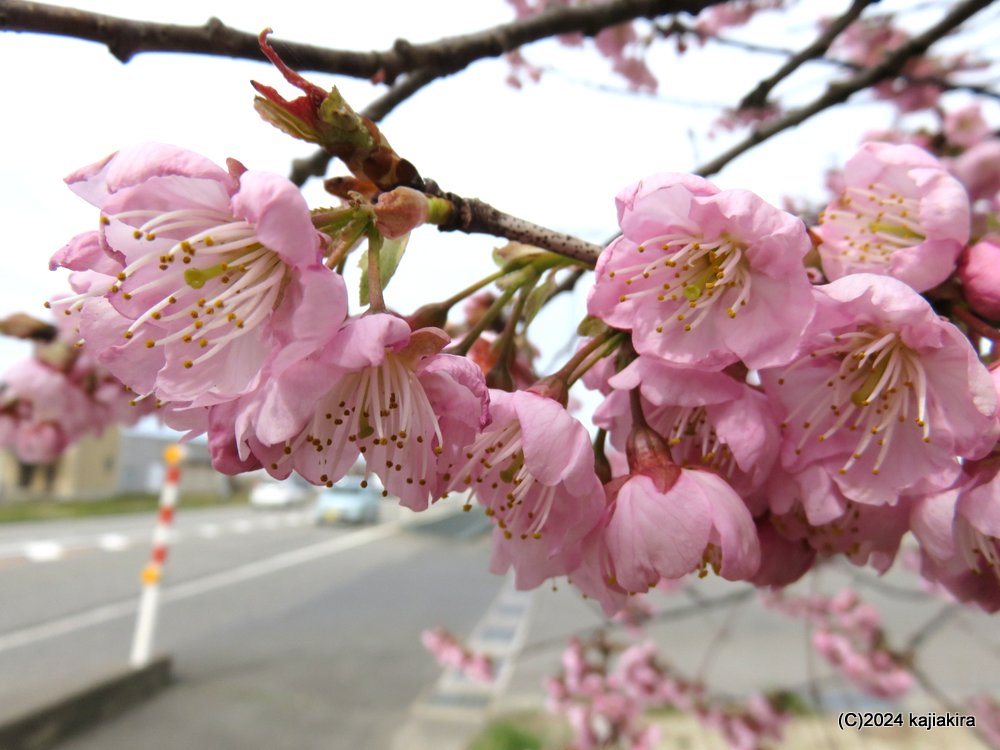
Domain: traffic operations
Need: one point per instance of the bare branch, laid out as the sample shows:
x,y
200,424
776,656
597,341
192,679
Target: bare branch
x,y
757,98
126,38
676,26
473,216
840,91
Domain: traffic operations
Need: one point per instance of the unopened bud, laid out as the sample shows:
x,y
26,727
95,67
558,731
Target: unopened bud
x,y
979,271
400,211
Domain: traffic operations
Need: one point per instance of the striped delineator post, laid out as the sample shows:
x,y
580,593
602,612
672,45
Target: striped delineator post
x,y
145,624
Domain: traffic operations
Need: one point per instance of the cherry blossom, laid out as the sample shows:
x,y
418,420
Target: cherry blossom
x,y
886,394
702,277
219,272
900,213
533,470
377,390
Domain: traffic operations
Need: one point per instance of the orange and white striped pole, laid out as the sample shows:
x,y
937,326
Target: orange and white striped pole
x,y
149,601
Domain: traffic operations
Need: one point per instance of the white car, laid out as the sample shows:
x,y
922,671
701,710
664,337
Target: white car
x,y
271,493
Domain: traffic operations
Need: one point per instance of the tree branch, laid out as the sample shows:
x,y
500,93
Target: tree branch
x,y
840,91
473,216
676,27
757,98
126,38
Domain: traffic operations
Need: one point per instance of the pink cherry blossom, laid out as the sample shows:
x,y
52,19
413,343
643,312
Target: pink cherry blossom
x,y
46,406
979,170
702,277
377,390
220,271
449,652
697,523
959,534
900,214
709,419
533,470
886,395
665,521
966,126
809,508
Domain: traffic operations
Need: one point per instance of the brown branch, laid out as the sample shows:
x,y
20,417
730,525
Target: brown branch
x,y
757,98
473,216
126,38
676,27
840,91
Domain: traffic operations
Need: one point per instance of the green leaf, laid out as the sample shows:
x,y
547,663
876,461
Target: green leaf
x,y
539,296
390,252
590,327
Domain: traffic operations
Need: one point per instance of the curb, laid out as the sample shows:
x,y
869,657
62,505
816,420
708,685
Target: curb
x,y
44,727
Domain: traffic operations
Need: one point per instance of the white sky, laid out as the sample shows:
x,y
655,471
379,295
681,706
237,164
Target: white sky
x,y
555,153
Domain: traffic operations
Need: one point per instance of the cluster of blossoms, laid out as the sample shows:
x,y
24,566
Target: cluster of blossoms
x,y
849,635
57,396
450,653
773,394
623,45
765,419
604,692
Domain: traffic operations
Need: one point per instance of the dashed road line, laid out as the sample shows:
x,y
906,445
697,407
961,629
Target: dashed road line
x,y
51,550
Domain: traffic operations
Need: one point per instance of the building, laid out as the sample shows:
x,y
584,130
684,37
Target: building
x,y
114,463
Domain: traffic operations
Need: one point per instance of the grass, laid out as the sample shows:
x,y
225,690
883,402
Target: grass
x,y
505,735
524,730
43,510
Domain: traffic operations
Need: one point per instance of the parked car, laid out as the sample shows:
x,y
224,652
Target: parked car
x,y
347,504
272,493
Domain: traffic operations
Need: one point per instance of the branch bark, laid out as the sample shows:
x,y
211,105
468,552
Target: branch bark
x,y
839,92
126,38
473,216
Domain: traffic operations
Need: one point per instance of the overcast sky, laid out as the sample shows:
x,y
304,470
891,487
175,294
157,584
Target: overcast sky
x,y
555,153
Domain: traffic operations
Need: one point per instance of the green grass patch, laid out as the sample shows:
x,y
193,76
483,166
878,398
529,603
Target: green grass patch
x,y
505,735
526,730
43,510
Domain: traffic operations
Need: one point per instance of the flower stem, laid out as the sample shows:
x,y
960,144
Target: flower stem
x,y
975,324
375,301
527,277
602,344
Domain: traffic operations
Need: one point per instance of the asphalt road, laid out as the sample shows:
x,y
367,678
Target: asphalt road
x,y
284,635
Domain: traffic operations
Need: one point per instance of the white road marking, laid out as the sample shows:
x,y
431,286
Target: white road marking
x,y
113,542
188,589
43,550
242,526
209,530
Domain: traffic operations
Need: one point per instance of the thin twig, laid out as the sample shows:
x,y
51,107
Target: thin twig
x,y
767,49
935,623
840,91
666,615
126,38
757,98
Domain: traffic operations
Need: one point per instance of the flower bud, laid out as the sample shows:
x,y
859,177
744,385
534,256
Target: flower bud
x,y
980,274
400,211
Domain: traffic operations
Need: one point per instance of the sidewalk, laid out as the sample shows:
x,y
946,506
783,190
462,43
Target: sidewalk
x,y
740,648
